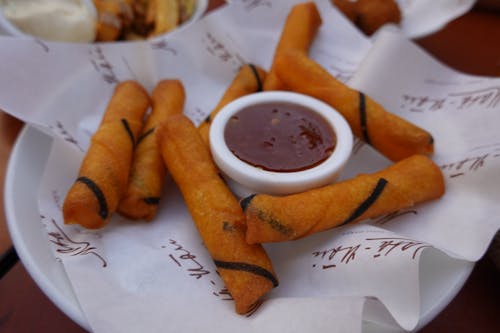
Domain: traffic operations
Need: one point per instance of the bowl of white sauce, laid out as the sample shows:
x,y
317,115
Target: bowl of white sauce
x,y
74,20
55,20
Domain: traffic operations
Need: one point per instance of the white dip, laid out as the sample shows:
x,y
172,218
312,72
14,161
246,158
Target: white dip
x,y
57,20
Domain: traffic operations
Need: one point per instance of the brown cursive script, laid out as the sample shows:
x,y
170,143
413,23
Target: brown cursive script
x,y
184,258
481,99
375,247
65,245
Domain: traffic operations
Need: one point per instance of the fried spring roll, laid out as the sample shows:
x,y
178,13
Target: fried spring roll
x,y
249,79
104,173
298,33
186,9
246,269
394,137
273,219
148,170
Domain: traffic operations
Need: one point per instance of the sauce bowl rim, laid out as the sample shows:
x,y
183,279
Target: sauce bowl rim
x,y
274,182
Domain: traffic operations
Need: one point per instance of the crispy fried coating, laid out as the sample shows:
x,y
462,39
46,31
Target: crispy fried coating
x,y
112,17
411,181
370,15
249,79
148,170
186,9
298,33
246,269
347,7
139,19
393,136
104,173
166,15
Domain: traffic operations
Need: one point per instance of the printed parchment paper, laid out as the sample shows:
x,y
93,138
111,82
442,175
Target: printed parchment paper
x,y
154,277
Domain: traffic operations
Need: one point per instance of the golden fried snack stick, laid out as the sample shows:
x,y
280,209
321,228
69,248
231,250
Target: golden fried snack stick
x,y
246,269
148,170
299,31
186,9
369,15
112,16
248,80
166,15
273,219
103,176
372,14
394,137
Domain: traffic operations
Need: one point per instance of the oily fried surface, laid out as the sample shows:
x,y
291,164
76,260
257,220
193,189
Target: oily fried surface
x,y
246,269
148,170
272,219
298,33
370,15
140,19
103,176
393,136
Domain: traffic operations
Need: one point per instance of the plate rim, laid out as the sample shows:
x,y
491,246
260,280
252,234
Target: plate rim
x,y
70,308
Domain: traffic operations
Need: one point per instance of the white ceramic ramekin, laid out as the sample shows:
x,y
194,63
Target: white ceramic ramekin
x,y
245,179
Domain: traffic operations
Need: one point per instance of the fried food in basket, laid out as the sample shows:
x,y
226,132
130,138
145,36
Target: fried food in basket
x,y
298,33
411,181
393,136
148,170
186,9
370,15
111,15
245,269
165,15
140,19
104,173
249,79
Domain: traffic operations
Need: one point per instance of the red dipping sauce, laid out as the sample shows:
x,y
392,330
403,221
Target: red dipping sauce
x,y
280,137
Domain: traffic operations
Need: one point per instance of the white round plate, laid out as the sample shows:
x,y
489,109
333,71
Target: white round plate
x,y
441,276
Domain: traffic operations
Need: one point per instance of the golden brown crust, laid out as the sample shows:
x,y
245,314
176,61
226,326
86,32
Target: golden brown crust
x,y
370,15
393,136
148,170
298,33
273,219
139,19
103,176
246,269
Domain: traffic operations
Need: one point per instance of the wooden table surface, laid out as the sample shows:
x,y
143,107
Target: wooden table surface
x,y
470,44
